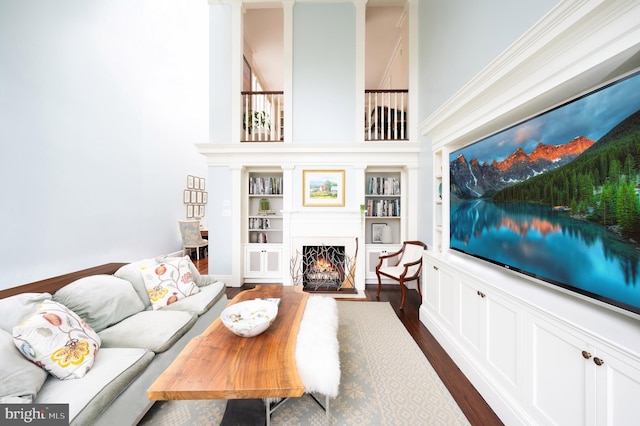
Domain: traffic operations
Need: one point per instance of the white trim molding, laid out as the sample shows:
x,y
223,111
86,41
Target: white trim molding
x,y
576,46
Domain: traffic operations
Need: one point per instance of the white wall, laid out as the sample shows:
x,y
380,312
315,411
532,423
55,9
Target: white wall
x,y
457,39
101,102
324,53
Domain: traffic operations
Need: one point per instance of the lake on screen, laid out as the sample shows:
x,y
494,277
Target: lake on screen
x,y
550,245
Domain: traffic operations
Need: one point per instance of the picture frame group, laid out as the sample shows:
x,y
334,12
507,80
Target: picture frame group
x,y
195,197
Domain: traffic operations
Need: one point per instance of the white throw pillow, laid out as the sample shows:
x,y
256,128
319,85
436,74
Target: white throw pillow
x,y
58,340
169,282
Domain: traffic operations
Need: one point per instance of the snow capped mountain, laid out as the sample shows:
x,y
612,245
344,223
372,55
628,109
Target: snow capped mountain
x,y
474,180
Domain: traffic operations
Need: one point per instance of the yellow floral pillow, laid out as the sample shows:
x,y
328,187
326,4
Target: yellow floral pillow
x,y
169,281
58,340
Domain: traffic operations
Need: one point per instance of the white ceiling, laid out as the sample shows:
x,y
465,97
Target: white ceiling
x,y
263,33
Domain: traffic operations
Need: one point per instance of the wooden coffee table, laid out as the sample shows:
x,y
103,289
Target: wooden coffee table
x,y
220,365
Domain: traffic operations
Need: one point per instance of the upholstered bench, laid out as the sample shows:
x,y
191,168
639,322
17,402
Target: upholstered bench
x,y
317,352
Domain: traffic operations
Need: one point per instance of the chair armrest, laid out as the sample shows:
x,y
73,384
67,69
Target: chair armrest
x,y
387,256
410,264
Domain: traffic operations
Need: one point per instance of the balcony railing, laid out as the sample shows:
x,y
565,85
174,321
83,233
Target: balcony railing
x,y
385,115
262,117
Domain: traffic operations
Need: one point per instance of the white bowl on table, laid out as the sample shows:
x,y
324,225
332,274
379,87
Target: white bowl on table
x,y
249,318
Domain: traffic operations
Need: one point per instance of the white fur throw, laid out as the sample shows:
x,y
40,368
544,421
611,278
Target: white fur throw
x,y
317,348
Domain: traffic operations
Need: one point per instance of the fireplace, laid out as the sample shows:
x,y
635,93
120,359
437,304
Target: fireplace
x,y
324,268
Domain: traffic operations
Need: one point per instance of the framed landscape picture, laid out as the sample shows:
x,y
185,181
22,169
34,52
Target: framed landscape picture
x,y
323,188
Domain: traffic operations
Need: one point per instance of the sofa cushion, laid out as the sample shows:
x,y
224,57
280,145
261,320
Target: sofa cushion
x,y
58,340
88,397
16,309
20,379
133,273
153,330
201,302
100,300
168,282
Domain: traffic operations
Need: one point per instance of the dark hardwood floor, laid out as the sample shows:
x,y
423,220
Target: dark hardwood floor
x,y
470,401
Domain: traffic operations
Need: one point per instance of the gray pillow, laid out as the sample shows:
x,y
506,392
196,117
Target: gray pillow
x,y
100,300
20,379
15,309
132,273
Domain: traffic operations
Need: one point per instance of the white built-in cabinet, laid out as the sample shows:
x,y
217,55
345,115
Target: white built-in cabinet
x,y
597,384
263,226
263,263
532,366
384,207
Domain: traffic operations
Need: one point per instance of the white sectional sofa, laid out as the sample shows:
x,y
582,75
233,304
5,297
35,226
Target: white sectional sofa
x,y
135,343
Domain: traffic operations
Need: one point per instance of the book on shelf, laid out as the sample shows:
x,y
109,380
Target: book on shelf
x,y
265,186
383,208
379,185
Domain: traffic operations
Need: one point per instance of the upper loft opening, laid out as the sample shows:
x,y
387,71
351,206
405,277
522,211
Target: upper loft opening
x,y
386,78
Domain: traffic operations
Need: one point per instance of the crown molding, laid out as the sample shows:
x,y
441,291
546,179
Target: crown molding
x,y
576,46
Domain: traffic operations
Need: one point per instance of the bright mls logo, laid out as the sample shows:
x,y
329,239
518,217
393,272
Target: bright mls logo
x,y
34,414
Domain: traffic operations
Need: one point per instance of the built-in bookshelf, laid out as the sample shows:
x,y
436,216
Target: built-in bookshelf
x,y
264,219
383,207
440,180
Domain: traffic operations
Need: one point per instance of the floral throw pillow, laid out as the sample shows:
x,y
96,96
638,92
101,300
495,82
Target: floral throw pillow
x,y
58,340
169,282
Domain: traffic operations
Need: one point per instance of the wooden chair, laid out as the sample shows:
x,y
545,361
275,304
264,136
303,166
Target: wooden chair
x,y
403,266
191,237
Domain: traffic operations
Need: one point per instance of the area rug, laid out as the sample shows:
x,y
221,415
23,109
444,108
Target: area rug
x,y
385,380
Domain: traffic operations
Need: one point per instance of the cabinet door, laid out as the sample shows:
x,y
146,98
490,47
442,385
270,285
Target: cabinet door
x,y
472,317
562,391
431,285
490,326
440,292
618,388
272,262
253,261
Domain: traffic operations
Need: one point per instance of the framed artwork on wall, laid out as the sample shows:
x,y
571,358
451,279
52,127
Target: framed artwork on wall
x,y
189,211
190,180
377,229
186,196
323,188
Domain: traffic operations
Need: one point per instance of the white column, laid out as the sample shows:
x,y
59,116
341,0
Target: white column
x,y
361,12
287,13
237,228
414,54
287,205
361,270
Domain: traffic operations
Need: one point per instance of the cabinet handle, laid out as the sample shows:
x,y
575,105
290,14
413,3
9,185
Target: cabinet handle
x,y
435,268
481,294
586,355
598,361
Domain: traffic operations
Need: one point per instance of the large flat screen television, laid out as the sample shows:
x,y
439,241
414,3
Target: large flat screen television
x,y
556,197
